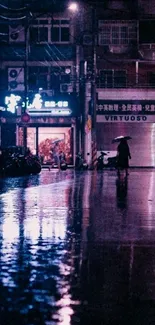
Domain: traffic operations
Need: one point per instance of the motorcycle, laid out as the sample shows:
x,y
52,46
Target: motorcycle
x,y
112,162
104,161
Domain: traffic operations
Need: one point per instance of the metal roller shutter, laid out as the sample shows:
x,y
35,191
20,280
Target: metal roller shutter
x,y
142,145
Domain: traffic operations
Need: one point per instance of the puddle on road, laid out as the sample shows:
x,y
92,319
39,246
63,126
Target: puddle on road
x,y
70,252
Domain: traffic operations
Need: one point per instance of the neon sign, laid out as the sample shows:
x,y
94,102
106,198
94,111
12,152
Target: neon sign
x,y
12,102
52,111
37,106
38,103
56,104
2,109
49,107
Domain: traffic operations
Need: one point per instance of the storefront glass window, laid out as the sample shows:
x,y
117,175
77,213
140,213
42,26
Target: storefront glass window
x,y
31,139
51,141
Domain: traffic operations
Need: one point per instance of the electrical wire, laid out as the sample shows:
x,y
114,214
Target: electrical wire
x,y
50,49
13,18
29,22
12,9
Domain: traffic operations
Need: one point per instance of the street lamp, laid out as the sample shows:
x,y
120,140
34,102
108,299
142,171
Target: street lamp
x,y
74,7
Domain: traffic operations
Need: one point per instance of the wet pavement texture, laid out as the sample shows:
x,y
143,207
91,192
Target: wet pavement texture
x,y
78,248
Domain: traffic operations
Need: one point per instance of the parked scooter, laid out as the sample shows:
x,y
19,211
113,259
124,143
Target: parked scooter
x,y
80,163
112,162
103,162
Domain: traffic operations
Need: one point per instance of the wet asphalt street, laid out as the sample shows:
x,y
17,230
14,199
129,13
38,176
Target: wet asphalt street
x,y
78,248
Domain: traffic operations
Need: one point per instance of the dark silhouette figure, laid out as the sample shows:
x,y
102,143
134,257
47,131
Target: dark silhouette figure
x,y
123,153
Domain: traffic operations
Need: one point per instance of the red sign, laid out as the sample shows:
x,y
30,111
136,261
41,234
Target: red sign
x,y
25,118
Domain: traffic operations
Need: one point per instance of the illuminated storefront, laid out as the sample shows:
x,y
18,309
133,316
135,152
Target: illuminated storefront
x,y
49,126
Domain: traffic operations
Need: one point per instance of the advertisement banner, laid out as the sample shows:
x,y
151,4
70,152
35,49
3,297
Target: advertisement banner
x,y
125,107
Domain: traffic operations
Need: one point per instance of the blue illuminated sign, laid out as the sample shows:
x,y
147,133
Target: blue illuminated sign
x,y
11,103
56,104
50,111
49,107
37,106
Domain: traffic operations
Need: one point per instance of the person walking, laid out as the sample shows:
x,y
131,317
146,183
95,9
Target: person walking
x,y
123,156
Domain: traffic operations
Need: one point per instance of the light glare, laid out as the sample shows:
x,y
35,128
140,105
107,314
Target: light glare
x,y
73,6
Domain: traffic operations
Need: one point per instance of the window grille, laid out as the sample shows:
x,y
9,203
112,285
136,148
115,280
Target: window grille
x,y
117,32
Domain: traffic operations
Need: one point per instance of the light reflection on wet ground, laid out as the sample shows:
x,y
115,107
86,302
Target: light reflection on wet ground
x,y
77,248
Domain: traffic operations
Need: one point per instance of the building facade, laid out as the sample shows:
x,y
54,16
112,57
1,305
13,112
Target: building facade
x,y
49,53
38,79
125,67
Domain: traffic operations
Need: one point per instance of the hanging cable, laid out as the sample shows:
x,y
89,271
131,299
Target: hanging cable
x,y
12,9
13,18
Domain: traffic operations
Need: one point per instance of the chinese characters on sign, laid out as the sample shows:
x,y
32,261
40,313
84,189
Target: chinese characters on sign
x,y
124,107
12,103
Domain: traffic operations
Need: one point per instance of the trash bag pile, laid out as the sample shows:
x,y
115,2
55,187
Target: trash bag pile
x,y
18,161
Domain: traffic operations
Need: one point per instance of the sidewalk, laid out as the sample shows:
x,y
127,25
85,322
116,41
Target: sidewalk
x,y
120,256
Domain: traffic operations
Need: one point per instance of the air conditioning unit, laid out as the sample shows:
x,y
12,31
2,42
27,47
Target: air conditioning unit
x,y
16,79
16,34
46,93
66,88
147,54
145,46
87,39
118,49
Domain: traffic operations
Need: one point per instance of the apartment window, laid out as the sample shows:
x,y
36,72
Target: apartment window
x,y
60,31
106,78
112,79
117,32
49,30
146,31
39,34
37,77
151,79
119,78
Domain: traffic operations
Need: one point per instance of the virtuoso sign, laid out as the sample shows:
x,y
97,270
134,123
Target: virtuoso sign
x,y
125,118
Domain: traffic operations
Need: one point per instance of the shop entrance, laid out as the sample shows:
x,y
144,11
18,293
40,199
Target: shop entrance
x,y
48,142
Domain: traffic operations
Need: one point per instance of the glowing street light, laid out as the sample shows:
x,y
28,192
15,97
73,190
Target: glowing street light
x,y
73,6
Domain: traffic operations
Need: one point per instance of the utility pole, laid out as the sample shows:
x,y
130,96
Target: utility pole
x,y
93,90
90,101
25,82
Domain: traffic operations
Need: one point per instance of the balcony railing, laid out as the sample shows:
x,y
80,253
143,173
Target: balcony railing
x,y
125,85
